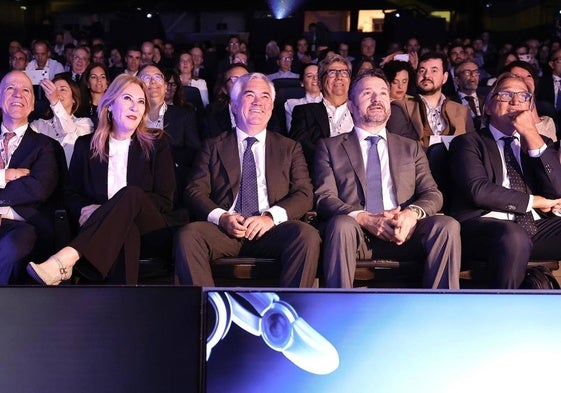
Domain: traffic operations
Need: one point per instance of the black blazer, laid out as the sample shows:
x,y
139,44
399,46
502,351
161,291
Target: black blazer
x,y
477,175
87,176
216,120
310,123
33,197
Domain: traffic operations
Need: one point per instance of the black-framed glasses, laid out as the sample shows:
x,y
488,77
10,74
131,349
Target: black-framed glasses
x,y
507,96
286,58
335,73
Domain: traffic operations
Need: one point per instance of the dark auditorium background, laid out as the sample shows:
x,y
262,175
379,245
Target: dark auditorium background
x,y
123,22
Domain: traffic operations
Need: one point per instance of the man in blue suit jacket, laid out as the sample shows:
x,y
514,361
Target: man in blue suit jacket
x,y
28,178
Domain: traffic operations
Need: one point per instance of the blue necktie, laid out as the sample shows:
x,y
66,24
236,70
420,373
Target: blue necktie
x,y
514,174
248,202
374,200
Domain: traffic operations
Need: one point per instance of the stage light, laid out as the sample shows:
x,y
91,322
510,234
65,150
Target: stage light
x,y
149,15
283,8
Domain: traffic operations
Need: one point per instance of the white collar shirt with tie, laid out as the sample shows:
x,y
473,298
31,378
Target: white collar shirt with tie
x,y
278,213
388,188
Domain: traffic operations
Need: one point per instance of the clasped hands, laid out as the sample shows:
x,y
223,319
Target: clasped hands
x,y
11,174
547,205
396,225
251,228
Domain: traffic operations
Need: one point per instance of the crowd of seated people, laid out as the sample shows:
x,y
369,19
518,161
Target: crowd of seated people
x,y
157,146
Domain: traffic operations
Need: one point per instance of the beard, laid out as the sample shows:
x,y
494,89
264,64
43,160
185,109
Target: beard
x,y
375,119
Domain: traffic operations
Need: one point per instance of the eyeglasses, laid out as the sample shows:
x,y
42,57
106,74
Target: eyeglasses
x,y
157,78
468,73
232,79
172,84
286,58
233,43
335,73
507,96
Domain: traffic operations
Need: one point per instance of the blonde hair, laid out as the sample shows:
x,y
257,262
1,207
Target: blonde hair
x,y
144,135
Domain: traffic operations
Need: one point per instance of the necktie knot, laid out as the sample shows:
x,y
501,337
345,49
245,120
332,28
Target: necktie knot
x,y
250,141
374,139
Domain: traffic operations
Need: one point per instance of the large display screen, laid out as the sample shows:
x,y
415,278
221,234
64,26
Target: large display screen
x,y
348,341
100,339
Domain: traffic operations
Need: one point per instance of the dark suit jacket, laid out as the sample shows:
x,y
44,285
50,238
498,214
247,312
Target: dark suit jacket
x,y
310,123
181,125
545,90
476,170
340,177
406,119
87,177
216,120
216,175
30,196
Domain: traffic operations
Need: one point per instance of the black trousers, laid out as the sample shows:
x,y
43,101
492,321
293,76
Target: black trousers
x,y
507,247
114,231
17,239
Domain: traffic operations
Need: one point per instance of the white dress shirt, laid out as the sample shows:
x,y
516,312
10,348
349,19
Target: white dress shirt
x,y
388,189
278,213
497,135
340,119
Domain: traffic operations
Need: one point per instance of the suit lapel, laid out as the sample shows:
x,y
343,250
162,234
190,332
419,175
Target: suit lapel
x,y
273,167
351,145
227,150
134,170
494,155
24,148
323,120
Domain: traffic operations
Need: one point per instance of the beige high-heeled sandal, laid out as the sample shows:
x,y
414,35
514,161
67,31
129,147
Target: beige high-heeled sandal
x,y
39,274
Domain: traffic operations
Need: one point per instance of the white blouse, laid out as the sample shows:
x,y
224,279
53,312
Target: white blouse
x,y
64,128
117,165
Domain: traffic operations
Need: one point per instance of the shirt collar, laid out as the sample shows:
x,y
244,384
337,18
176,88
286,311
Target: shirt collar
x,y
260,136
19,131
497,135
363,134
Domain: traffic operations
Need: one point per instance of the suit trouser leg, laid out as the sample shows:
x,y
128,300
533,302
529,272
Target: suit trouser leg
x,y
440,237
504,245
195,246
435,240
341,241
17,239
547,241
117,225
296,244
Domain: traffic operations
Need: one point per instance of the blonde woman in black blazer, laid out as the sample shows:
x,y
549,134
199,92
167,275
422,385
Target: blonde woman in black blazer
x,y
115,211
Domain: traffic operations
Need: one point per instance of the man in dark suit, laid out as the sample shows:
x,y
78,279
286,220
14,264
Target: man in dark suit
x,y
28,179
467,79
507,185
179,122
431,112
550,84
379,199
218,114
250,187
331,117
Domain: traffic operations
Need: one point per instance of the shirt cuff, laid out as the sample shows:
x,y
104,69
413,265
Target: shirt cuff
x,y
214,216
354,214
278,213
530,203
535,153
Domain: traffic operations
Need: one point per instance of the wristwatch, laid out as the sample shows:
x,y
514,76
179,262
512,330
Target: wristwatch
x,y
418,211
